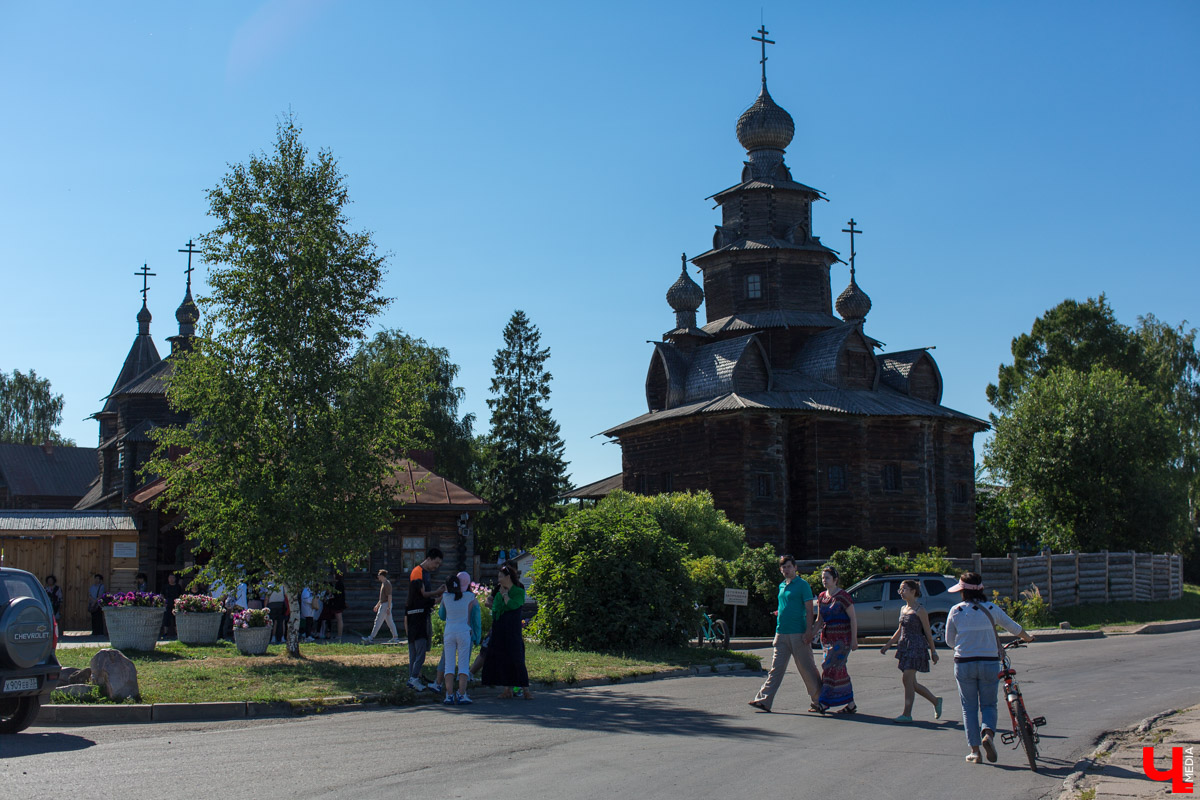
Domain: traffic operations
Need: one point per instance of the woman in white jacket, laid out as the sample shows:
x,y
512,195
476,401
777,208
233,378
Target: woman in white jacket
x,y
971,631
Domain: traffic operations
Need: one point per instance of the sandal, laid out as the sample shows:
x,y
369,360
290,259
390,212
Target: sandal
x,y
760,705
850,709
972,758
818,708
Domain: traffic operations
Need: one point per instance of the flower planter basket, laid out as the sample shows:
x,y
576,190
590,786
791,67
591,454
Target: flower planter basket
x,y
196,628
133,627
252,641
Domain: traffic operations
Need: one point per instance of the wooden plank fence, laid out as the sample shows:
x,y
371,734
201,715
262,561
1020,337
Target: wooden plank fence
x,y
1069,579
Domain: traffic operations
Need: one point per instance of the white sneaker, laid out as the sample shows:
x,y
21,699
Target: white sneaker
x,y
393,640
433,687
415,684
463,700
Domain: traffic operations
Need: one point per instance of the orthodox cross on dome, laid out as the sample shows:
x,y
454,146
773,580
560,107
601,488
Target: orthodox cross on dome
x,y
851,231
145,273
190,268
762,37
683,259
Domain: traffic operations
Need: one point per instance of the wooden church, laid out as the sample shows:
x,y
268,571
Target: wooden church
x,y
787,414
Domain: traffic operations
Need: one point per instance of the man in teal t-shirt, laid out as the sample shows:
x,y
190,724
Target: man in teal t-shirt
x,y
793,638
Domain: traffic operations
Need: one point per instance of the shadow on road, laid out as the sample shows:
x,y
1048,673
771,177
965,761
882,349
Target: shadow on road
x,y
32,744
581,710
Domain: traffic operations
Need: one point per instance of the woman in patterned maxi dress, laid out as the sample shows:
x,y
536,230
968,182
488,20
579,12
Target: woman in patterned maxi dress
x,y
839,635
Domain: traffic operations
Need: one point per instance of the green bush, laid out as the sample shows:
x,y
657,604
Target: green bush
x,y
710,578
693,521
439,626
855,563
1031,610
609,579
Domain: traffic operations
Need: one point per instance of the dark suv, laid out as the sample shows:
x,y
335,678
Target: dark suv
x,y
877,602
29,669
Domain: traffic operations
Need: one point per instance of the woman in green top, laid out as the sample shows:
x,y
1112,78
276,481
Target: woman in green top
x,y
505,664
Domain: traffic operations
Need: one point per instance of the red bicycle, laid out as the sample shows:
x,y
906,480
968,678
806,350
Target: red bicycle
x,y
1024,728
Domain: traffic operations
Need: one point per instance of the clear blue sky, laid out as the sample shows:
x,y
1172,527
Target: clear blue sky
x,y
555,157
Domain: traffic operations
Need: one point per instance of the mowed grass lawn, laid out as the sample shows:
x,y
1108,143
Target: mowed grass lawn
x,y
177,673
1127,613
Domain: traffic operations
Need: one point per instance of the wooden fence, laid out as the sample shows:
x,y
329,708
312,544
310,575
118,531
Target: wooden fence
x,y
1072,579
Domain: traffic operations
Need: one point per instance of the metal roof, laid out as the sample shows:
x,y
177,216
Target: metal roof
x,y
760,183
142,356
152,381
50,521
37,470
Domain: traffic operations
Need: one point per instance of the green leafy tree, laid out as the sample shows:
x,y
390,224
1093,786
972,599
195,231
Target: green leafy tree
x,y
608,578
525,469
283,465
1092,459
29,410
1084,336
442,429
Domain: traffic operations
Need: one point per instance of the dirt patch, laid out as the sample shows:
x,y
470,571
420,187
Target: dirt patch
x,y
364,660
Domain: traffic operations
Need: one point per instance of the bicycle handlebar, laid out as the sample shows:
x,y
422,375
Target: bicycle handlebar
x,y
1014,644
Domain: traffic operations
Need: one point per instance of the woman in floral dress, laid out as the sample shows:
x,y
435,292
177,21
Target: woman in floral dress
x,y
839,635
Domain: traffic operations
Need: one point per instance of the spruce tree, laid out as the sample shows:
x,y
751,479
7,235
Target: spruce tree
x,y
525,472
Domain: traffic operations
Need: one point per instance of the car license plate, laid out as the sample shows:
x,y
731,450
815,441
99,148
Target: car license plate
x,y
20,684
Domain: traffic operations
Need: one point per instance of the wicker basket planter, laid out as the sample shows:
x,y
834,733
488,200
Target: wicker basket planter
x,y
196,628
252,641
133,627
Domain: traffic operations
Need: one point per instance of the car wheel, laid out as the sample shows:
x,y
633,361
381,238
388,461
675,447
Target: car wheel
x,y
18,713
937,626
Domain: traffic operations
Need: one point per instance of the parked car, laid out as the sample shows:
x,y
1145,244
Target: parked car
x,y
877,602
29,668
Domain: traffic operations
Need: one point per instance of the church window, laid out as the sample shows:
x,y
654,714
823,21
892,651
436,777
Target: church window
x,y
412,552
764,486
120,459
639,483
837,478
960,492
891,477
666,484
753,287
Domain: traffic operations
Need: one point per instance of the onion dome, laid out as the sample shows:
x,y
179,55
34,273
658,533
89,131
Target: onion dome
x,y
186,315
685,294
764,125
143,318
853,304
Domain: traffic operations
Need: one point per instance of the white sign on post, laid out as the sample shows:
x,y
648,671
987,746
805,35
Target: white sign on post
x,y
124,550
735,598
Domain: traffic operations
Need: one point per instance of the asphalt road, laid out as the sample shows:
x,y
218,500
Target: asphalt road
x,y
689,737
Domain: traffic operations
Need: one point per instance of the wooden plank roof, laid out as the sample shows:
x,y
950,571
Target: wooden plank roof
x,y
597,489
37,470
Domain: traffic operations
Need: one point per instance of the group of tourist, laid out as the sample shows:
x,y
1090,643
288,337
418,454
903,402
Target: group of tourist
x,y
829,618
501,659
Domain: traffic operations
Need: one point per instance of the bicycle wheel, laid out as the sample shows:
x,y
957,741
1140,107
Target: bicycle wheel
x,y
1025,731
722,634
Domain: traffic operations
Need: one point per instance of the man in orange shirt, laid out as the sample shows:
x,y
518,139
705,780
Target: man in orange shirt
x,y
418,621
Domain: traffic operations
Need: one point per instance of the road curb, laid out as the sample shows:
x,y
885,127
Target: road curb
x,y
105,714
1169,627
1106,745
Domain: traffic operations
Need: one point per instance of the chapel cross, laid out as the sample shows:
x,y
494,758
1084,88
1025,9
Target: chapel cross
x,y
683,258
762,37
190,268
851,231
145,273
